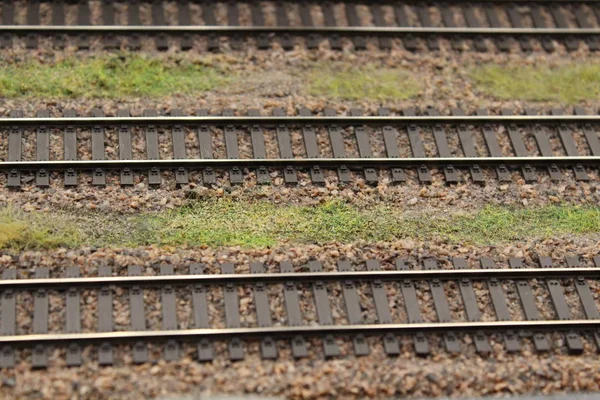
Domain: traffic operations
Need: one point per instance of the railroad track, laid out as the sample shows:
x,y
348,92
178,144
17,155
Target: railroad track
x,y
121,23
196,290
235,146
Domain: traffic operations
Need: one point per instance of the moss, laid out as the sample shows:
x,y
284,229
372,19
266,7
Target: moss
x,y
568,84
116,76
358,83
262,224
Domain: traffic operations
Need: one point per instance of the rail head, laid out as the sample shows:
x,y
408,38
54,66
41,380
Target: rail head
x,y
309,330
296,120
348,163
297,30
279,278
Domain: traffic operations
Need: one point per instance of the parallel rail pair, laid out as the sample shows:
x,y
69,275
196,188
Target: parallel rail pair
x,y
568,22
383,321
305,142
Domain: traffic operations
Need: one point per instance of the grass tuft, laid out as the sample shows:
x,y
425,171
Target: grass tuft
x,y
358,83
568,84
116,76
24,231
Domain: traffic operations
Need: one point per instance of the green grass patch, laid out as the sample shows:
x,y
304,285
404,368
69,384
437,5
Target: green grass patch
x,y
218,223
358,83
493,225
566,84
262,224
116,76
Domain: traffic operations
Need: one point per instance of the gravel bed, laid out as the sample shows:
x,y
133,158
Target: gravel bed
x,y
199,43
375,375
436,197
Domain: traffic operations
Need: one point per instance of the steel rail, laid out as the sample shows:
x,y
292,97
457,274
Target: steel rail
x,y
220,279
519,2
382,2
292,331
296,120
298,30
351,163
